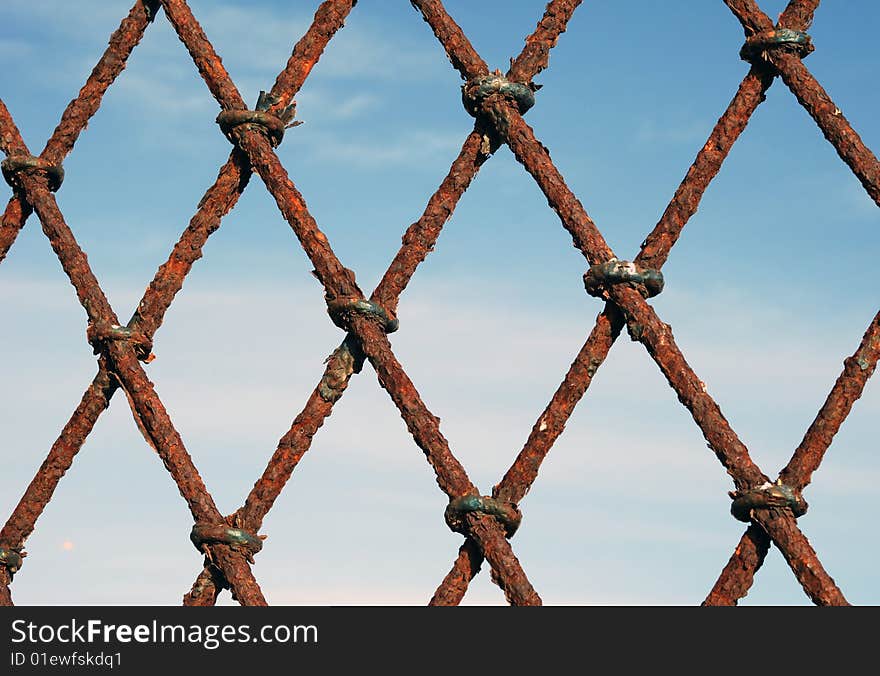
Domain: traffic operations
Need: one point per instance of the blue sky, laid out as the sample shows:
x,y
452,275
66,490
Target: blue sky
x,y
770,288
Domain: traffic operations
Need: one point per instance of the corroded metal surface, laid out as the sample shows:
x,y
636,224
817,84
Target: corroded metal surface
x,y
498,103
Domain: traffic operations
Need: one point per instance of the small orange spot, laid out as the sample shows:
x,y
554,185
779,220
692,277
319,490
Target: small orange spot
x,y
67,545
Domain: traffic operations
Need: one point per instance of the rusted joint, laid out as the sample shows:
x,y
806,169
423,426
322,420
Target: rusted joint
x,y
14,165
346,360
99,334
600,277
12,558
204,534
767,496
476,91
758,46
272,124
342,309
458,509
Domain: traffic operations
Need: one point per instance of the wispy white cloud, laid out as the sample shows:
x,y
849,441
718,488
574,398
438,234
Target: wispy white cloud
x,y
323,104
11,48
407,148
169,97
81,19
671,131
162,83
358,51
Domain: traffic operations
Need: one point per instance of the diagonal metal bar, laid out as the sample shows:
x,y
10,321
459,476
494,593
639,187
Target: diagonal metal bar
x,y
216,203
11,223
81,109
536,54
73,121
656,248
339,282
847,389
150,413
346,360
418,241
737,576
827,115
41,488
169,279
655,251
645,326
798,14
118,364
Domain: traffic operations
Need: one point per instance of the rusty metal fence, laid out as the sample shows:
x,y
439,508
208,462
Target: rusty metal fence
x,y
498,103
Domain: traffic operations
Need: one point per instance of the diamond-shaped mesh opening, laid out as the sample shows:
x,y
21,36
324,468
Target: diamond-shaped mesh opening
x,y
486,517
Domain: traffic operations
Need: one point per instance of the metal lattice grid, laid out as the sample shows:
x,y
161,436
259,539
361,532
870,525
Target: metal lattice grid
x,y
497,102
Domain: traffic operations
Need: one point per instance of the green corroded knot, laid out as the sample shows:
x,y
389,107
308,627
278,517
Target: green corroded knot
x,y
14,165
600,277
151,7
506,512
341,309
207,533
474,92
11,558
767,496
757,45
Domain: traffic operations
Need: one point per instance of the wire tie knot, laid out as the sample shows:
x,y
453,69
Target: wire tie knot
x,y
758,46
14,165
476,91
204,534
767,496
12,558
272,124
342,309
99,334
601,276
458,509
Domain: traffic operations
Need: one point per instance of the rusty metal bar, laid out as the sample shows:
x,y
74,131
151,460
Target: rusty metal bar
x,y
418,241
11,223
798,15
848,388
643,323
657,337
79,111
339,282
737,576
536,54
150,414
217,202
828,116
498,118
461,52
654,253
41,488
